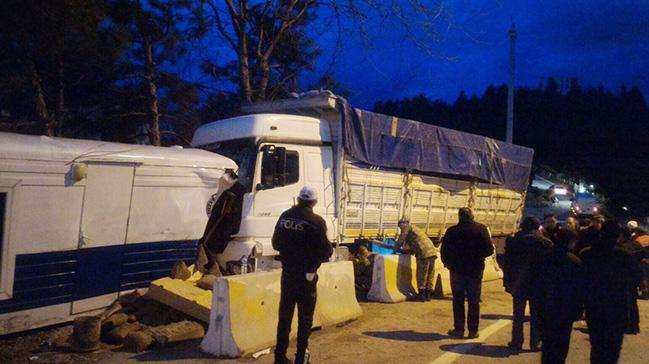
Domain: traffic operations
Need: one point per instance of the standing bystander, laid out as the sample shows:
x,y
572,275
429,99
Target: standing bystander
x,y
609,272
523,254
464,248
560,289
550,226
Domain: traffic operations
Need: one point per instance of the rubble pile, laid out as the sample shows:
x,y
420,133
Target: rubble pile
x,y
138,323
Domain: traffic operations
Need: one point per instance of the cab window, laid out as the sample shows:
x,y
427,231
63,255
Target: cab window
x,y
279,167
292,167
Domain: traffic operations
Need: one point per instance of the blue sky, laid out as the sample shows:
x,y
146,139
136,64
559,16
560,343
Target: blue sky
x,y
599,42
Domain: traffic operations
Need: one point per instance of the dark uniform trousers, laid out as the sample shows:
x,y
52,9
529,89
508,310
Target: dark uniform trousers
x,y
296,290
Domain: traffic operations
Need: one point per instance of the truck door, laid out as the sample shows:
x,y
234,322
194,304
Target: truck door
x,y
280,179
318,162
104,220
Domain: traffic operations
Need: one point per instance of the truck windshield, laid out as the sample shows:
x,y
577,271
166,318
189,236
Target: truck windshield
x,y
243,152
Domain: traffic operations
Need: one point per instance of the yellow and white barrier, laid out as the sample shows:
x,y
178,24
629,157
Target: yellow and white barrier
x,y
394,278
336,295
492,271
244,311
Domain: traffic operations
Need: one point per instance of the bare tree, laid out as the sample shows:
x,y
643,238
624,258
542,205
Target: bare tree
x,y
254,30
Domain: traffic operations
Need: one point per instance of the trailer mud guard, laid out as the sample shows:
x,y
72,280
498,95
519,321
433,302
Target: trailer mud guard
x,y
394,278
244,311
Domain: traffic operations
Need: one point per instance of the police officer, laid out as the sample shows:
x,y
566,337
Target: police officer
x,y
301,239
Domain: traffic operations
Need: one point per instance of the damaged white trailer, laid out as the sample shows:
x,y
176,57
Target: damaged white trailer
x,y
82,221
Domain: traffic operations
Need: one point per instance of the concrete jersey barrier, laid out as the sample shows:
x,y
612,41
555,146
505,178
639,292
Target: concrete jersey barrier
x,y
243,318
394,277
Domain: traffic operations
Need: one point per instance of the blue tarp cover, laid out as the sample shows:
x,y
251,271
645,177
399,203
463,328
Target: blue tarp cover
x,y
390,142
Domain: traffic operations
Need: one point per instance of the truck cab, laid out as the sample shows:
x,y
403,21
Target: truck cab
x,y
277,155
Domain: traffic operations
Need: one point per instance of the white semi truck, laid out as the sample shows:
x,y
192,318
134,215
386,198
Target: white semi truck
x,y
84,221
369,170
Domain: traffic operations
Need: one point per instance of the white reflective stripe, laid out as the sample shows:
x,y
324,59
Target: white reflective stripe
x,y
469,345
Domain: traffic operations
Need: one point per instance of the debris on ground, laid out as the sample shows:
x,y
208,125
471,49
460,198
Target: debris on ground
x,y
134,322
363,261
86,333
260,353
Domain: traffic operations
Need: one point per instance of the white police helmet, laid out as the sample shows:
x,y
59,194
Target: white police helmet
x,y
308,193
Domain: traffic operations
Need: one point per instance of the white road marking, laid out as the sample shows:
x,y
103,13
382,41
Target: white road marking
x,y
452,356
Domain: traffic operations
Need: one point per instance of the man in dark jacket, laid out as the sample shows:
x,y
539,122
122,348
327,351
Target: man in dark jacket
x,y
560,288
590,234
224,221
301,239
550,226
635,250
609,272
523,254
464,248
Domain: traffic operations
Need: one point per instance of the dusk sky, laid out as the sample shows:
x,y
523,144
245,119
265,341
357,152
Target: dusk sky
x,y
598,42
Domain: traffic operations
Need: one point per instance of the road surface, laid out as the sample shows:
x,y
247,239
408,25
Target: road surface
x,y
409,332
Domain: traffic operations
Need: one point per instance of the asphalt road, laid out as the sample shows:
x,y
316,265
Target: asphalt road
x,y
403,333
413,332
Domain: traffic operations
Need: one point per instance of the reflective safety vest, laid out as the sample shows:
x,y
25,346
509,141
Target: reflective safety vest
x,y
643,240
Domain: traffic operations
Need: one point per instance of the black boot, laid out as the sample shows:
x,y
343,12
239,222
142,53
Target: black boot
x,y
429,294
422,295
302,359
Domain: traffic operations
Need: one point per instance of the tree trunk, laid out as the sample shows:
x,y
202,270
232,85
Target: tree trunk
x,y
264,67
40,106
244,66
153,112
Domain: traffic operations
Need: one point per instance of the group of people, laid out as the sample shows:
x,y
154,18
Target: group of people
x,y
565,272
560,271
301,240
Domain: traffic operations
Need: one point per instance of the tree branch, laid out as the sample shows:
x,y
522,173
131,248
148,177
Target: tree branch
x,y
219,25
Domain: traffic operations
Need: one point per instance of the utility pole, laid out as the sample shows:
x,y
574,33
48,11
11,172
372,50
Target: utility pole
x,y
510,86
